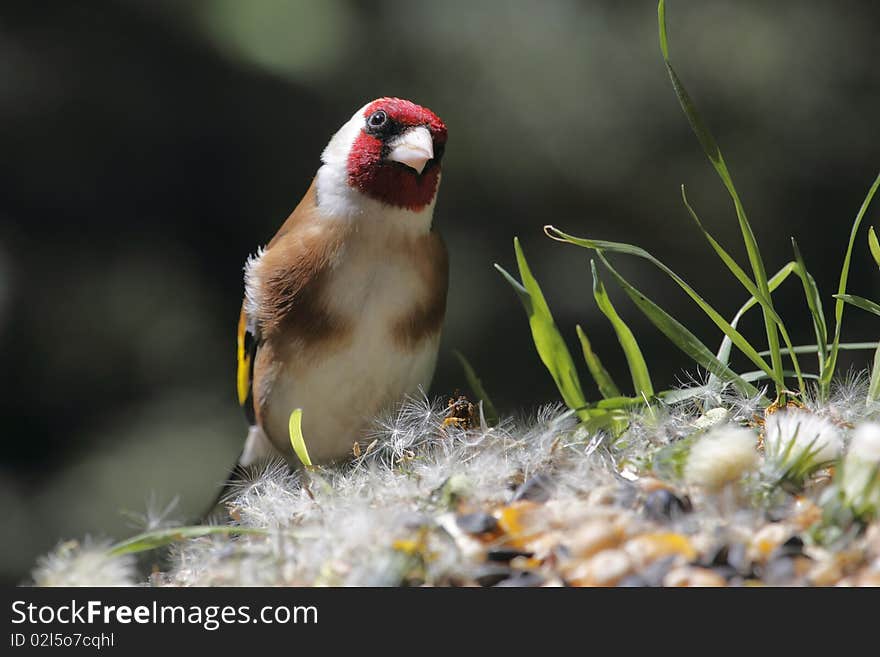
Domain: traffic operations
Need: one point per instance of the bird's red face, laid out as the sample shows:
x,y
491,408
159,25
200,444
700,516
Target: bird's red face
x,y
396,156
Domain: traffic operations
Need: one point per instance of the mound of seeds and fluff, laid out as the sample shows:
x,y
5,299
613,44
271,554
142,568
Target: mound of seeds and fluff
x,y
681,496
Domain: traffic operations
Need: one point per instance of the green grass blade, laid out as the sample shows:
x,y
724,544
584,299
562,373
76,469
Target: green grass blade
x,y
777,280
679,335
637,367
758,375
747,283
617,403
683,394
297,440
713,152
814,303
161,537
874,245
548,341
607,388
661,22
617,247
726,258
874,384
859,302
831,363
707,141
843,346
477,388
518,288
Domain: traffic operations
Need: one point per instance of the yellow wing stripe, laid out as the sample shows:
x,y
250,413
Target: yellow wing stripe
x,y
244,364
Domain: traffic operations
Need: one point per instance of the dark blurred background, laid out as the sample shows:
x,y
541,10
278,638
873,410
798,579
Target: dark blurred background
x,y
146,148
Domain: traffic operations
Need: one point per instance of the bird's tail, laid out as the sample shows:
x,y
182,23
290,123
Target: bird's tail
x,y
218,507
257,449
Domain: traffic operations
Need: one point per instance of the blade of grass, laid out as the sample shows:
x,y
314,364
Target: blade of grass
x,y
517,287
683,394
678,334
874,245
859,302
616,403
831,363
844,346
777,280
666,396
713,152
814,303
607,388
617,247
637,367
758,375
674,396
477,388
747,283
548,341
161,537
874,384
297,440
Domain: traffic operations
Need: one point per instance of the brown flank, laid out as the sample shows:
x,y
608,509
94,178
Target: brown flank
x,y
431,260
294,272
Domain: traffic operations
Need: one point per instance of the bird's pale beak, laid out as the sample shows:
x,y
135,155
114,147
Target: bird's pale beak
x,y
413,148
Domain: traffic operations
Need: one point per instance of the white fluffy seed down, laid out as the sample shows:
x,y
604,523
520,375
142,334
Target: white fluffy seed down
x,y
341,525
721,456
865,445
800,429
861,481
87,564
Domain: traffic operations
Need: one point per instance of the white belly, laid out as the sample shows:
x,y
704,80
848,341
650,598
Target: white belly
x,y
342,391
345,393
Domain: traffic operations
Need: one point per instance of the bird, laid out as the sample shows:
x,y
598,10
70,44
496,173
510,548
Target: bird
x,y
343,308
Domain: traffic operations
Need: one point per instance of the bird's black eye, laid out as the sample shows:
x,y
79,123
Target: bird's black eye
x,y
377,119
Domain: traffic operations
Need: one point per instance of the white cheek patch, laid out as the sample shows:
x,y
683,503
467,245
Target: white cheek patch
x,y
337,150
336,198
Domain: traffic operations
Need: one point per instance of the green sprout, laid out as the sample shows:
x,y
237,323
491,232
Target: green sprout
x,y
297,441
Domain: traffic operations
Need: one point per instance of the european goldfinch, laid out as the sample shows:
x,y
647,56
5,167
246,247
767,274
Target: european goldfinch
x,y
343,307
